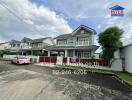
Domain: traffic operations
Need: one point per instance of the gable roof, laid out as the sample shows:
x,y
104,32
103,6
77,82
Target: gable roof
x,y
14,41
65,36
3,43
117,7
84,27
26,39
40,39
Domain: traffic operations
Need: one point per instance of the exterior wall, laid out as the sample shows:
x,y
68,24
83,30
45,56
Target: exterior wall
x,y
96,55
126,52
117,65
15,46
116,62
79,39
4,46
49,41
117,54
76,41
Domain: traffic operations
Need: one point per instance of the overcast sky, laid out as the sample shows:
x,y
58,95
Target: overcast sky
x,y
40,18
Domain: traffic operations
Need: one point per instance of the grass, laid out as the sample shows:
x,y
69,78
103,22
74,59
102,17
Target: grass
x,y
123,75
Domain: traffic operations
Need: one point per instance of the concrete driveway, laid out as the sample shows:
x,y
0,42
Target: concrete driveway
x,y
29,82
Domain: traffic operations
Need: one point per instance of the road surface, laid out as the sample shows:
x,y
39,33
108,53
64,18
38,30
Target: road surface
x,y
30,82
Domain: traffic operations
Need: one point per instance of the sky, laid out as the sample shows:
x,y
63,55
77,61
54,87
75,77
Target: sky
x,y
42,18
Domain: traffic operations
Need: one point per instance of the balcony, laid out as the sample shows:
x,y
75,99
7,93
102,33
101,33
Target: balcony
x,y
82,43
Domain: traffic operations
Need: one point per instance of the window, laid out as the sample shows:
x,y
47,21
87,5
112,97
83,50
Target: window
x,y
83,41
70,41
39,44
86,54
82,31
61,42
83,54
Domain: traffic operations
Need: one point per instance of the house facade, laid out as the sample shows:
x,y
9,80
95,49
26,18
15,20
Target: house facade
x,y
79,43
5,46
29,46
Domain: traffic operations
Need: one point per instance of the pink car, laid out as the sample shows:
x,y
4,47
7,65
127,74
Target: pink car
x,y
20,60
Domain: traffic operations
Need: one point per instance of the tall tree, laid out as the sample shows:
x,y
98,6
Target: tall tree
x,y
110,41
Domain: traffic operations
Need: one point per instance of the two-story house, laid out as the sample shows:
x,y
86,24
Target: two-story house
x,y
5,46
79,43
29,46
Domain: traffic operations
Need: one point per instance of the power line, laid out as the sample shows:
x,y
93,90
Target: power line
x,y
3,4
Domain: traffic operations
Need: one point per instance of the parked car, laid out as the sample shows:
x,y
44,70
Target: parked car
x,y
20,60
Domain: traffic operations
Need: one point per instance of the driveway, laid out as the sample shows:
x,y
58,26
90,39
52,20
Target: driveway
x,y
30,82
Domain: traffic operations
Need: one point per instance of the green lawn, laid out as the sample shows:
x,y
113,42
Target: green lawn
x,y
125,76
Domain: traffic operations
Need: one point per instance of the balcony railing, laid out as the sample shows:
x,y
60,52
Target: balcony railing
x,y
75,44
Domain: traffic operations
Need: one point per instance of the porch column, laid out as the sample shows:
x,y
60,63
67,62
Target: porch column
x,y
31,52
22,52
73,53
92,53
48,53
65,53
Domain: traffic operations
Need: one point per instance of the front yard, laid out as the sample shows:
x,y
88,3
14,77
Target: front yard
x,y
123,75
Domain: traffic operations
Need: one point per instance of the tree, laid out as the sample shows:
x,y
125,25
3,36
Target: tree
x,y
110,41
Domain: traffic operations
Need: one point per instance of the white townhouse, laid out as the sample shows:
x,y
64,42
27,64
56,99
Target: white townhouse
x,y
79,43
5,46
29,46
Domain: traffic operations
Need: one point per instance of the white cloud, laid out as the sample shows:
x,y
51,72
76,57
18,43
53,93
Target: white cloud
x,y
40,21
80,9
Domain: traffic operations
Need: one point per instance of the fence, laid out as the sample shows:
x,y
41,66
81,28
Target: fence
x,y
32,58
75,61
48,59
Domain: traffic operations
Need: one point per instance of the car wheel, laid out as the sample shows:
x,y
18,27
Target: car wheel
x,y
17,62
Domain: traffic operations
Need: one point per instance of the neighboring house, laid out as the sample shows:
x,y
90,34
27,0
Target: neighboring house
x,y
15,45
29,46
79,43
5,46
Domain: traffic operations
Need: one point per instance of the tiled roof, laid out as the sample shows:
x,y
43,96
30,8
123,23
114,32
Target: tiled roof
x,y
3,43
64,36
40,39
26,39
14,41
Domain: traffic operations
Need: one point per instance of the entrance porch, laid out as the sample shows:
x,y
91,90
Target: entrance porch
x,y
71,53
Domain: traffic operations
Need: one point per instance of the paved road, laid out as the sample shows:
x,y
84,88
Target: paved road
x,y
29,82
